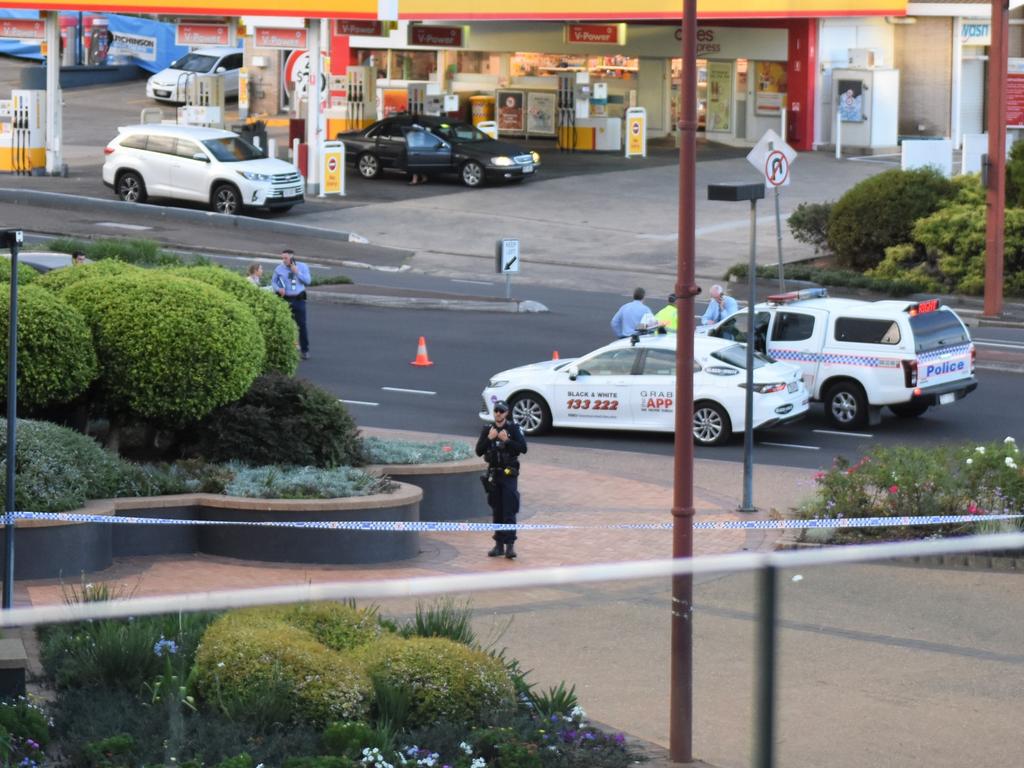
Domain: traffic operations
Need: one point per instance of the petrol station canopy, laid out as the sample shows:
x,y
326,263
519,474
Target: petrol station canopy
x,y
468,10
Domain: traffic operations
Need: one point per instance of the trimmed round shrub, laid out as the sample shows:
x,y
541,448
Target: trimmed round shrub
x,y
880,211
256,650
280,333
445,680
338,626
316,429
56,359
57,468
26,274
170,349
57,280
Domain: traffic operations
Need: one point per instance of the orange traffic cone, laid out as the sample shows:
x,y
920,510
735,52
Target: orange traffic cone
x,y
421,354
555,355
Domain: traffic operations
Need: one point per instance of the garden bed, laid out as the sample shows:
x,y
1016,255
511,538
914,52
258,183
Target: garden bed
x,y
49,549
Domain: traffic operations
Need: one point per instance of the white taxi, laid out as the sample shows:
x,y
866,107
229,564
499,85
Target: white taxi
x,y
858,356
631,385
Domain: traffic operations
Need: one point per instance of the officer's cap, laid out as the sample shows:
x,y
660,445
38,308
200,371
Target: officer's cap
x,y
501,405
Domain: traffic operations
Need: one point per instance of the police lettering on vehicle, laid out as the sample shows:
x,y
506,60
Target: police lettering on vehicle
x,y
947,367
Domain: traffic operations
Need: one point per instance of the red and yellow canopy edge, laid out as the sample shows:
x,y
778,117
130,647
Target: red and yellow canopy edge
x,y
498,10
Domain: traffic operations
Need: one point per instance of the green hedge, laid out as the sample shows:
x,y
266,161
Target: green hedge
x,y
145,253
56,359
280,333
282,421
445,680
880,211
26,274
257,650
58,280
170,349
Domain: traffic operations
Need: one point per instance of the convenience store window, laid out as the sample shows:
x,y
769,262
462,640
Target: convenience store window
x,y
413,65
378,59
550,65
477,63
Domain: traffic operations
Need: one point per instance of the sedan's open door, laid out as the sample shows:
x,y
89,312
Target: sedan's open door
x,y
426,152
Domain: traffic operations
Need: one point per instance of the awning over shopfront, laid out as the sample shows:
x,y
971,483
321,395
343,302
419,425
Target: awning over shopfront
x,y
555,10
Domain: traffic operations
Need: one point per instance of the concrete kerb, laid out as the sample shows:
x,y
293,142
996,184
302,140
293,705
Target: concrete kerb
x,y
420,302
220,220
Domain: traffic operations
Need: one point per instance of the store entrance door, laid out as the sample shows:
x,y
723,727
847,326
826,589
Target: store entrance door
x,y
702,92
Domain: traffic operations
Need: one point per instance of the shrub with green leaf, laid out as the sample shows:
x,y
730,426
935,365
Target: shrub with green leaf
x,y
280,420
26,274
339,626
170,350
56,359
903,265
880,211
446,680
809,224
347,740
280,333
145,253
253,650
58,280
305,483
377,450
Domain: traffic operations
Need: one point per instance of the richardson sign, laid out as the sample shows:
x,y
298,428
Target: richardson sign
x,y
186,33
436,37
606,34
280,37
364,28
26,29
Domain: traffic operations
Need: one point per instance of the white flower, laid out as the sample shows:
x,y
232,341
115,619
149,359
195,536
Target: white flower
x,y
478,762
1009,440
980,449
970,461
466,748
220,665
577,712
1010,463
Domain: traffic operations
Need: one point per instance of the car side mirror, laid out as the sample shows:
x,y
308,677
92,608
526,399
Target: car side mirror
x,y
201,157
220,70
573,372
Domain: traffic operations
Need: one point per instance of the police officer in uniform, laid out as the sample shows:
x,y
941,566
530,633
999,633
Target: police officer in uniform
x,y
501,443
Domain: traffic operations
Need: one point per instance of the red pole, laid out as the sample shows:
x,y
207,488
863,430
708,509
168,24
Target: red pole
x,y
995,196
681,671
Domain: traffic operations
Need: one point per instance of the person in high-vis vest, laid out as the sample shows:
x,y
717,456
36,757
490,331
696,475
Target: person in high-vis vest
x,y
667,317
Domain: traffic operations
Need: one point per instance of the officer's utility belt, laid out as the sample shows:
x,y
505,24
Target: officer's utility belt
x,y
497,472
297,297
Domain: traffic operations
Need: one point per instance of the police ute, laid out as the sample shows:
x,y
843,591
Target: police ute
x,y
858,356
630,384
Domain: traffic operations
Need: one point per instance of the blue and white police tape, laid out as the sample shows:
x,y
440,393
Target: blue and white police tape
x,y
459,527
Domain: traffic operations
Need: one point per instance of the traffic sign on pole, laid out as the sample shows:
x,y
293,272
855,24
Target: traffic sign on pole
x,y
772,157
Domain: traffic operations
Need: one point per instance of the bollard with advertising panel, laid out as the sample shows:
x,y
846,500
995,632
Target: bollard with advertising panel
x,y
636,132
333,169
243,92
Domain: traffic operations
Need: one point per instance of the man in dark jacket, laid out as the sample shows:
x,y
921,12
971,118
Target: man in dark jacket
x,y
500,444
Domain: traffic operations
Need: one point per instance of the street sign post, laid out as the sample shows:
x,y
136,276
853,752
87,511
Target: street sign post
x,y
773,158
507,261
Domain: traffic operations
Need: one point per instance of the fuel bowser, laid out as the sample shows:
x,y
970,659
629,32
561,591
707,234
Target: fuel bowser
x,y
23,132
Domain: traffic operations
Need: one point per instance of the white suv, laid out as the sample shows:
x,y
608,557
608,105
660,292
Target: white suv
x,y
857,356
202,165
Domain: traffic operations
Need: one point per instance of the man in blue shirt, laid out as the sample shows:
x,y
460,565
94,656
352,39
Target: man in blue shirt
x,y
720,306
289,282
630,317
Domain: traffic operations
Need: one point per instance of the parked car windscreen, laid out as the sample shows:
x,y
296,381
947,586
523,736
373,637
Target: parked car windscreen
x,y
232,149
737,355
459,132
194,62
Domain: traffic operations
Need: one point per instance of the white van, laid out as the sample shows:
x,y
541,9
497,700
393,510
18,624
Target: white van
x,y
857,356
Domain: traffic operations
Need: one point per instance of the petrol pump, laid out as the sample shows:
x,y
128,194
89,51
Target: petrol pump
x,y
23,133
204,101
356,105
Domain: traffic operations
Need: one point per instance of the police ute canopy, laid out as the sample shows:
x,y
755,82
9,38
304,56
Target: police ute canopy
x,y
630,385
860,356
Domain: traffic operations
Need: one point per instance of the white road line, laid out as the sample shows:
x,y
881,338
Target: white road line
x,y
472,282
409,391
790,445
116,225
843,434
1001,344
357,402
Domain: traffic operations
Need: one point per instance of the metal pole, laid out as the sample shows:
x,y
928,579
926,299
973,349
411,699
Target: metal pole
x,y
995,196
764,717
508,285
12,429
839,135
681,666
79,34
748,429
778,240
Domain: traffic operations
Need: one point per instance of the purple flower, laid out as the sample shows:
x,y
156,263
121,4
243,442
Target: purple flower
x,y
620,739
589,736
554,718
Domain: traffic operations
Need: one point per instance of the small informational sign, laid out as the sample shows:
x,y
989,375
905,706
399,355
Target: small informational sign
x,y
363,28
333,168
506,254
243,92
23,29
601,34
772,157
636,132
290,38
511,111
198,35
1015,93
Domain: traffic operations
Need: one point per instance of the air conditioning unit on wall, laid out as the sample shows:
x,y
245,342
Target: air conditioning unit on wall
x,y
865,58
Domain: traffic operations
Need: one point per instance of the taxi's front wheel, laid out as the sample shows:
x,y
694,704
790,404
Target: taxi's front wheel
x,y
711,424
531,413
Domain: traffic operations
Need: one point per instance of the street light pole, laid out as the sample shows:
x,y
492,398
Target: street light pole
x,y
995,195
681,666
12,239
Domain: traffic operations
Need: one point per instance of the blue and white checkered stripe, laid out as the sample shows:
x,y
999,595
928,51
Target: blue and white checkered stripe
x,y
459,527
798,356
937,354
